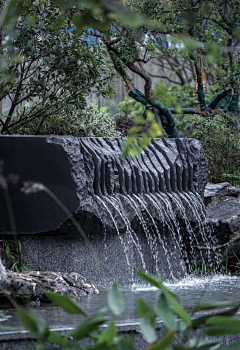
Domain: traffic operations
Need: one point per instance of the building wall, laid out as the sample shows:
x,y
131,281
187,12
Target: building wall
x,y
119,87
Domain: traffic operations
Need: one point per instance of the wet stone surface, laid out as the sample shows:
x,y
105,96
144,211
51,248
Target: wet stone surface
x,y
223,212
32,284
135,209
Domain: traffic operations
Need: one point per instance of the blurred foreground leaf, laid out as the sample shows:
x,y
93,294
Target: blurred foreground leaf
x,y
65,303
115,300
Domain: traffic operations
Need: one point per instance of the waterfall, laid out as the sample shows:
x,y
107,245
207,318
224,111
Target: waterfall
x,y
158,194
145,212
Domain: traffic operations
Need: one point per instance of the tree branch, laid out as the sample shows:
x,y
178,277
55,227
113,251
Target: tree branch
x,y
182,10
121,70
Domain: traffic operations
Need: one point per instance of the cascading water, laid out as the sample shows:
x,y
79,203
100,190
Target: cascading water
x,y
145,212
156,193
155,233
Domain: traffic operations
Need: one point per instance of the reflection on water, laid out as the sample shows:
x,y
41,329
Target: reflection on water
x,y
191,290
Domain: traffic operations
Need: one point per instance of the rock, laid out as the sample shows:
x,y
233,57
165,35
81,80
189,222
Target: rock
x,y
77,169
7,260
3,273
105,194
223,212
215,192
32,284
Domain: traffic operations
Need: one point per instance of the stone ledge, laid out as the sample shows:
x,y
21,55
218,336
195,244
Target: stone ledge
x,y
32,284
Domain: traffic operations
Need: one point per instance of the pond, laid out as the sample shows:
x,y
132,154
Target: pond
x,y
190,290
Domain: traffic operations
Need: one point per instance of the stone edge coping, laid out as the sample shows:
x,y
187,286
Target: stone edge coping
x,y
122,326
133,325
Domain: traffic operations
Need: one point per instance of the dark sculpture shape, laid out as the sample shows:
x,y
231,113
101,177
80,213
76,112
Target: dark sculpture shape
x,y
162,113
229,103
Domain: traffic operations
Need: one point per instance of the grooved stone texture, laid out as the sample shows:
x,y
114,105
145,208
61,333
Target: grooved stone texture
x,y
84,173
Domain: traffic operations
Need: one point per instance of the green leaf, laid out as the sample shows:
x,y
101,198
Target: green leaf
x,y
234,346
201,320
150,116
165,313
238,33
163,343
126,343
144,309
221,330
115,301
188,17
154,282
214,53
108,334
140,120
181,326
65,303
155,130
56,338
178,310
88,325
222,320
134,129
101,346
33,323
149,333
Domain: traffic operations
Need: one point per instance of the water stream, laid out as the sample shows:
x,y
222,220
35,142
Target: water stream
x,y
174,225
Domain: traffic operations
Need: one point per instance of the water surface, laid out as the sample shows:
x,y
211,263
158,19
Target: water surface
x,y
190,290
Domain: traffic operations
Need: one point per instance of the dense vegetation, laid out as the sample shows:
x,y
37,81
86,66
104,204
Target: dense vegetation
x,y
47,68
53,68
219,133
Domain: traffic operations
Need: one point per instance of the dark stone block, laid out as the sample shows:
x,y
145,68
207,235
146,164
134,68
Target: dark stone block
x,y
114,200
34,159
223,212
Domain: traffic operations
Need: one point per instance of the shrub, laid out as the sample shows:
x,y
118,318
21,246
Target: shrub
x,y
130,108
123,124
90,121
175,95
53,65
220,138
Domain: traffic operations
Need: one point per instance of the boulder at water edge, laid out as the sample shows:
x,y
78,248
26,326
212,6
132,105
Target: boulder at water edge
x,y
32,284
223,211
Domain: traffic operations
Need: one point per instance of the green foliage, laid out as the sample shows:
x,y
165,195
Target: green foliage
x,y
128,111
220,138
218,320
141,134
112,108
175,95
96,14
13,251
130,108
65,303
54,68
115,301
178,97
90,121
